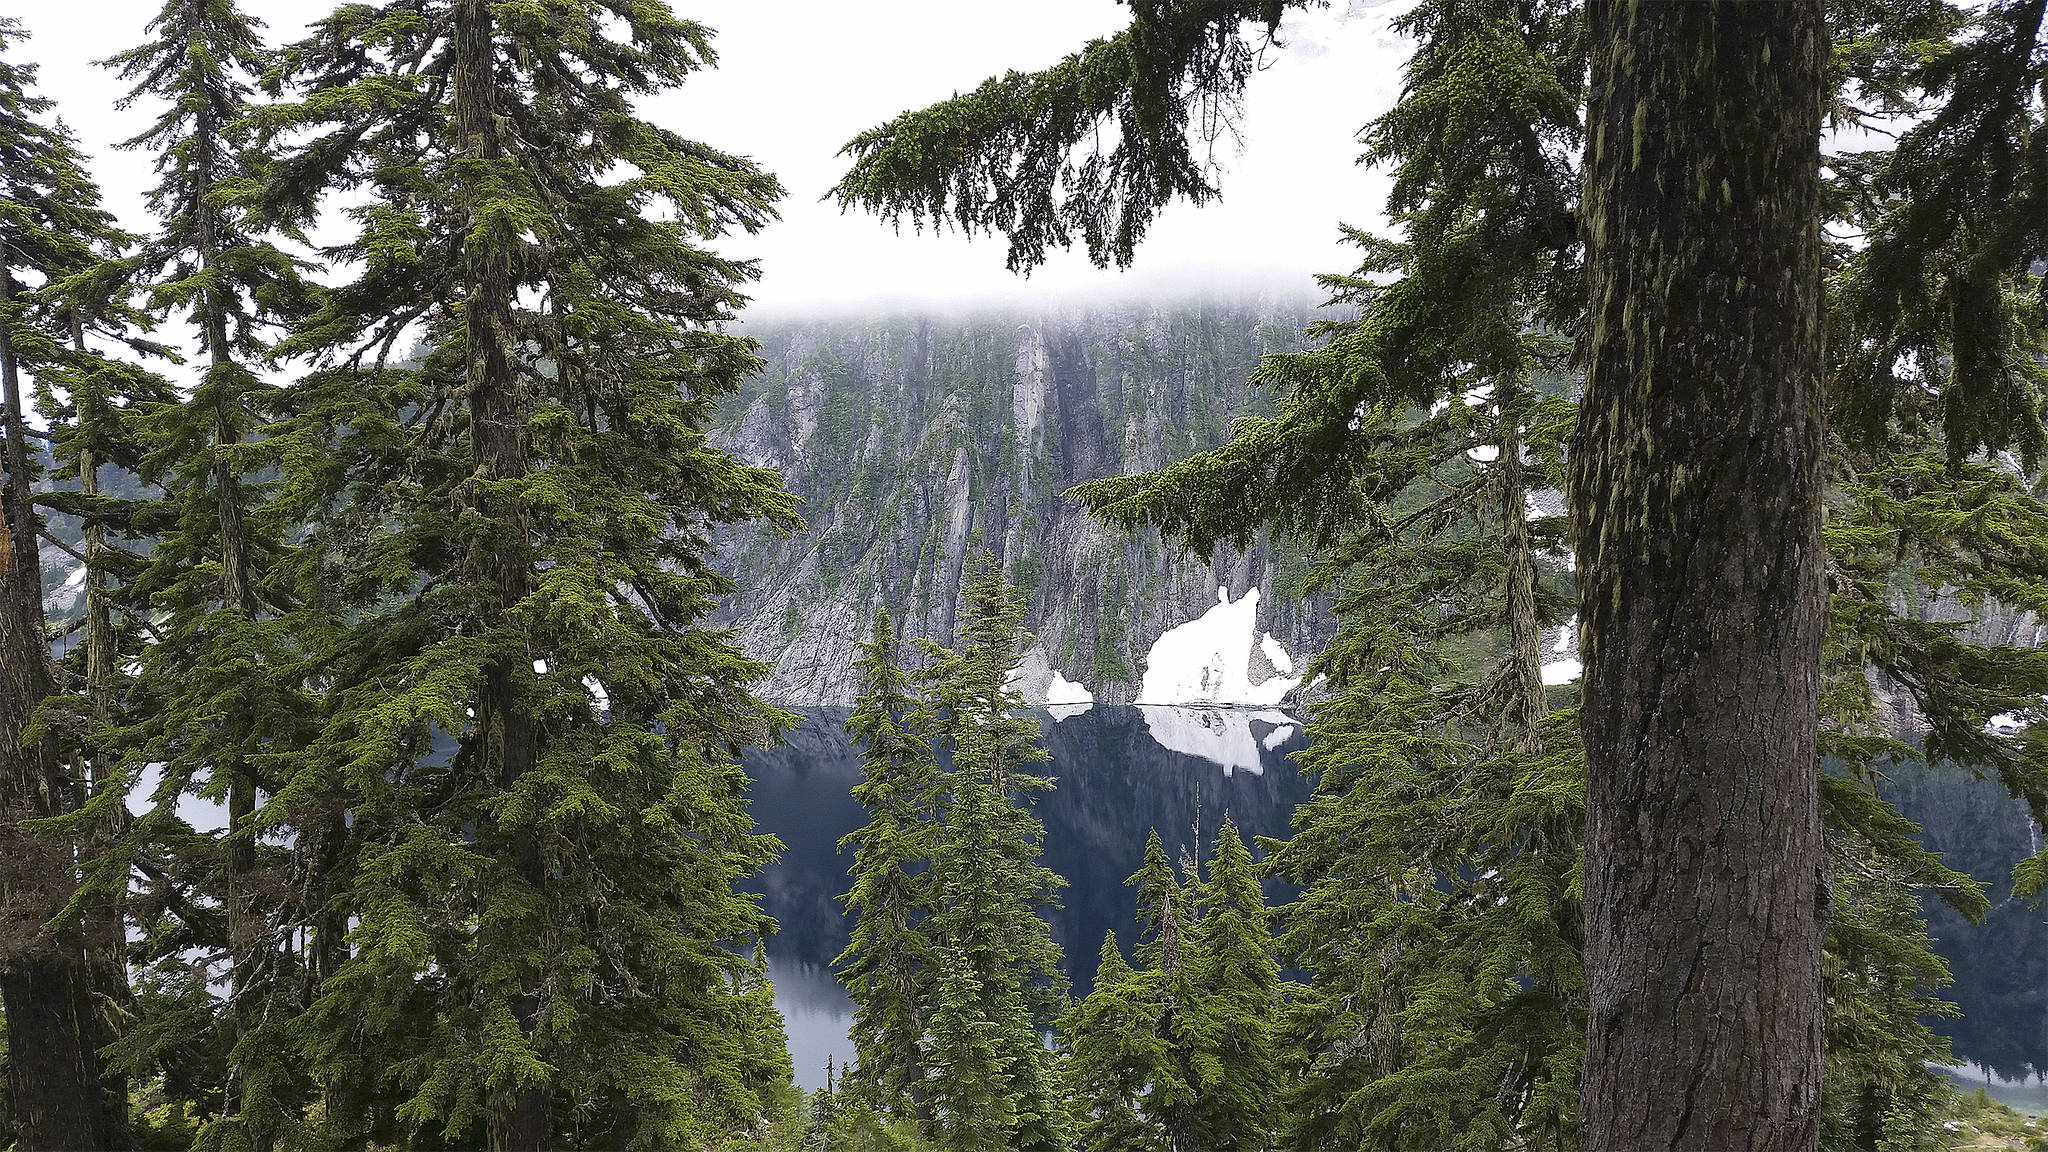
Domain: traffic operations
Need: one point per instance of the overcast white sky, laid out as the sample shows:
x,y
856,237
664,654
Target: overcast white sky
x,y
798,78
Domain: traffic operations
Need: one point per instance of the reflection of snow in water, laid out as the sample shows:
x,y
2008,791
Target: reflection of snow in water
x,y
1223,736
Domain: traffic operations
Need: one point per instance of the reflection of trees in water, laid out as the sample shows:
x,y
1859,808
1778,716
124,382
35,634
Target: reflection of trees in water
x,y
1115,783
2001,965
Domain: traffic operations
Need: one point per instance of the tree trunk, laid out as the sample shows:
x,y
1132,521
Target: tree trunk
x,y
1696,504
106,925
236,595
498,442
45,986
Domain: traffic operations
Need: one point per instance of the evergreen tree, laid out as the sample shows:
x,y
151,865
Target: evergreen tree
x,y
1485,139
1170,956
56,242
530,736
95,401
1238,1069
995,976
1118,1058
1181,1053
884,967
219,704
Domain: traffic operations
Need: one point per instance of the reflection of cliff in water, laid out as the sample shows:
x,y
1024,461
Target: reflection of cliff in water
x,y
2000,965
1114,784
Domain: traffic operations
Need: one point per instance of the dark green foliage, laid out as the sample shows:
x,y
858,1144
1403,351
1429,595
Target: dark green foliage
x,y
524,799
1119,1059
220,703
1238,1101
1182,1052
1882,976
952,967
1439,862
995,972
1942,312
885,968
1024,155
63,309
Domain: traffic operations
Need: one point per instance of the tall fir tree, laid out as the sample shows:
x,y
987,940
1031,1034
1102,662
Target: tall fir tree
x,y
1135,1041
1118,1058
96,400
56,242
886,965
529,736
1238,1069
995,970
220,707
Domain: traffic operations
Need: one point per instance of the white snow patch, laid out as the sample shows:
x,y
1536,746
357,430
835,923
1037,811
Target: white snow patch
x,y
1207,660
1221,736
1278,736
1566,635
1067,711
1065,691
1477,396
1484,453
598,695
1562,671
540,667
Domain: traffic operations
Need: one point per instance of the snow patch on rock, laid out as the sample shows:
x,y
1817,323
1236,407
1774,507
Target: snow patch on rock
x,y
1040,685
1562,671
1061,690
1208,660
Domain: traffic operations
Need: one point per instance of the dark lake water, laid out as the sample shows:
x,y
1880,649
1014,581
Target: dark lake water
x,y
1125,771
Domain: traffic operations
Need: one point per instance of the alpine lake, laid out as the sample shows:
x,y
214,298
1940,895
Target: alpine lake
x,y
1123,772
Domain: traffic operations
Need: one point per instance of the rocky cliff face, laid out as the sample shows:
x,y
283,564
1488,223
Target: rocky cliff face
x,y
918,442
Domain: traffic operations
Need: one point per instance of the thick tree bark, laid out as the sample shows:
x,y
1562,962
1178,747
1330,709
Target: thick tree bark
x,y
498,441
1696,502
45,986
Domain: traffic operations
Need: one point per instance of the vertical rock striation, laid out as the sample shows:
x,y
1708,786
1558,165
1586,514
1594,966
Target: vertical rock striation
x,y
918,441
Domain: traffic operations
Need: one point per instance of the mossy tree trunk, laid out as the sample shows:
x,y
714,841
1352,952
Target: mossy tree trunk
x,y
498,444
105,924
1697,496
45,985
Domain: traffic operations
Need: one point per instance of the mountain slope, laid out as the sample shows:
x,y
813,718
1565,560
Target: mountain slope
x,y
917,442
